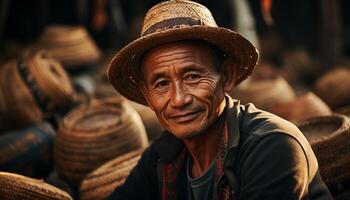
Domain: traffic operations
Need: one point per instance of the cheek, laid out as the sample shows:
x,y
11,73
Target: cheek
x,y
209,91
158,102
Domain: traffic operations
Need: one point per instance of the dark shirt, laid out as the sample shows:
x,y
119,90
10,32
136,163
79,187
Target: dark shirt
x,y
268,158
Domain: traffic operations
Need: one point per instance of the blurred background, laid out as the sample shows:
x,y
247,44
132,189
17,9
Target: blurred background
x,y
60,120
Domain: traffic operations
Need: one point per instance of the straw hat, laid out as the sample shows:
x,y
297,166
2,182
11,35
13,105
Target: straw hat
x,y
14,186
177,20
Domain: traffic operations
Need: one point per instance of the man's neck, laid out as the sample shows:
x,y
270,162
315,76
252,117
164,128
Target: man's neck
x,y
203,148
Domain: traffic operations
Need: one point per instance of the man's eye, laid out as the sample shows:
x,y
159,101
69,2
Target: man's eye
x,y
162,84
192,77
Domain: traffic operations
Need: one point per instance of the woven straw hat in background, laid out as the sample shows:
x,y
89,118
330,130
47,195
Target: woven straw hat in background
x,y
102,182
95,133
177,20
303,107
328,137
71,45
14,187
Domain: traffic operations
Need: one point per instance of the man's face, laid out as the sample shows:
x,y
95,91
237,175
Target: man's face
x,y
183,86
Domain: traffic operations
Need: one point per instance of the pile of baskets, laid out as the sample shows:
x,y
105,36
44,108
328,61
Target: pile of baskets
x,y
95,133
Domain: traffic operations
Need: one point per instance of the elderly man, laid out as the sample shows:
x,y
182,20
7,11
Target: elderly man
x,y
182,67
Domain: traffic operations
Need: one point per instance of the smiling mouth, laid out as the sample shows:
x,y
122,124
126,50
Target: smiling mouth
x,y
185,117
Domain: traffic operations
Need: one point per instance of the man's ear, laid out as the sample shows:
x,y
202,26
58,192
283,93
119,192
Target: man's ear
x,y
144,91
228,71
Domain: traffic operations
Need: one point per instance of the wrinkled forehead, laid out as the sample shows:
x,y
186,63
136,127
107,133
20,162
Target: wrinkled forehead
x,y
176,50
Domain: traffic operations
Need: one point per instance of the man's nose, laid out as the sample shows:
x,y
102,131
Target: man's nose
x,y
179,96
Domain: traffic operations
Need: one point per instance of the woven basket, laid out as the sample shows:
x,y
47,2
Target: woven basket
x,y
329,137
15,187
94,133
102,182
28,152
71,45
34,88
303,107
334,87
51,79
264,93
18,98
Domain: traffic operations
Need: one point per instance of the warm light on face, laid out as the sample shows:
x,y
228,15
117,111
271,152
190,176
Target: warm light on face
x,y
183,87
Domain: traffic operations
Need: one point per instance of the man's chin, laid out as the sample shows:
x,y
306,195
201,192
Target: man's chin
x,y
187,135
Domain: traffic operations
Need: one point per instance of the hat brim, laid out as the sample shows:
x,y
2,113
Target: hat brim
x,y
124,75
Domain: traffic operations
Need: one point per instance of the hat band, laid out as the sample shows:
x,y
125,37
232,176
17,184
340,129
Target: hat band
x,y
178,22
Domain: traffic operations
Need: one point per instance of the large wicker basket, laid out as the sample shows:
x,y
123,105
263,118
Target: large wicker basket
x,y
95,133
100,183
329,137
18,187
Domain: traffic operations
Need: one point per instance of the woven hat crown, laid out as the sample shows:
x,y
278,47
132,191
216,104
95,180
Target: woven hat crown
x,y
175,14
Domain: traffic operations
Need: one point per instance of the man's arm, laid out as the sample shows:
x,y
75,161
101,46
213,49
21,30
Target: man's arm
x,y
275,167
142,181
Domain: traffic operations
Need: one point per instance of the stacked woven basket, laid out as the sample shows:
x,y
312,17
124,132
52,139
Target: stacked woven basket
x,y
15,187
95,133
71,45
102,182
34,88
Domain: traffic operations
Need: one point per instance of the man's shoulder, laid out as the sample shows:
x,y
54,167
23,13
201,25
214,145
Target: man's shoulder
x,y
258,127
259,123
